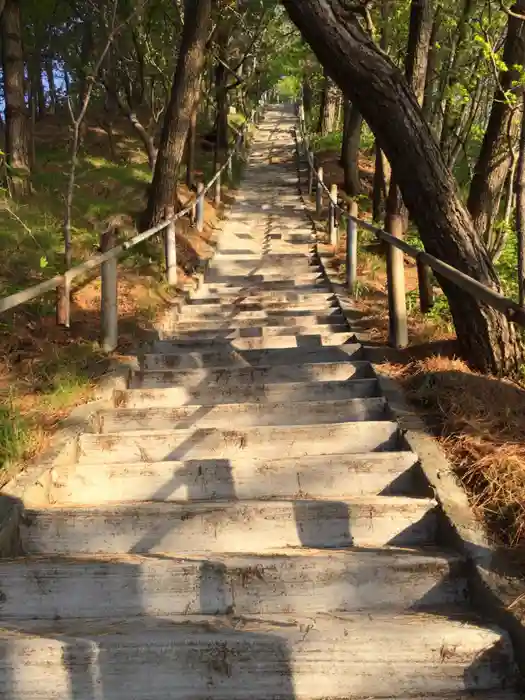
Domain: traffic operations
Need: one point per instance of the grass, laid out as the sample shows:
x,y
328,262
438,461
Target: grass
x,y
46,370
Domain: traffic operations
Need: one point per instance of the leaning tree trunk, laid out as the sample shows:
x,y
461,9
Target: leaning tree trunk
x,y
495,157
374,84
350,149
184,97
16,118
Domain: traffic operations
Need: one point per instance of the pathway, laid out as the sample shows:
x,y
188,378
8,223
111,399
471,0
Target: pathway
x,y
246,522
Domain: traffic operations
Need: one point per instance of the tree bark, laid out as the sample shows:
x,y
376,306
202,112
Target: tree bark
x,y
520,210
221,89
184,96
307,95
374,84
502,131
16,118
191,143
419,35
327,108
127,111
381,182
51,86
350,149
432,64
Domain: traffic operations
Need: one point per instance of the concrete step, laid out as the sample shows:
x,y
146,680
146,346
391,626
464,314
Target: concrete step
x,y
228,357
234,377
322,476
215,308
313,658
240,277
256,331
242,415
254,284
265,342
228,527
291,392
286,583
221,294
261,443
253,319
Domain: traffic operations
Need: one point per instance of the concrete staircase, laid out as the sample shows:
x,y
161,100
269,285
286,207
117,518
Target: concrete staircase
x,y
247,521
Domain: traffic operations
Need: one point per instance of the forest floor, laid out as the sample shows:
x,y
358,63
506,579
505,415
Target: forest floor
x,y
479,420
46,370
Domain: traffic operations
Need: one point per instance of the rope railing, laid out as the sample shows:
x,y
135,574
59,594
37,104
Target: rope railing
x,y
110,252
397,248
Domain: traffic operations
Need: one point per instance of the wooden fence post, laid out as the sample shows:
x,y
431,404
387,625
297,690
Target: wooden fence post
x,y
319,191
332,216
217,194
229,169
63,311
397,306
426,290
109,294
199,208
170,246
351,248
310,158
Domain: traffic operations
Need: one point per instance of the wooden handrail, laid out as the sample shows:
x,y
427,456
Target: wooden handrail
x,y
511,309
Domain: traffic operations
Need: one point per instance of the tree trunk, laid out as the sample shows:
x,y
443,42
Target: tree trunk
x,y
126,110
420,32
16,118
51,86
184,96
350,149
307,95
418,48
190,149
374,84
221,89
432,65
448,72
502,131
381,180
381,184
322,106
520,210
328,108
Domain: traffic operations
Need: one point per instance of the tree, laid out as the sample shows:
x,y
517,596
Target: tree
x,y
350,149
327,108
416,62
177,118
496,153
380,91
16,126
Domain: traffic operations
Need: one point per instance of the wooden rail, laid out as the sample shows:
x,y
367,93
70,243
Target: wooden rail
x,y
397,249
107,259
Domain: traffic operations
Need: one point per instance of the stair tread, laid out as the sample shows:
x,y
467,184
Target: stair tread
x,y
266,441
348,656
230,357
307,372
260,391
229,525
329,476
225,504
